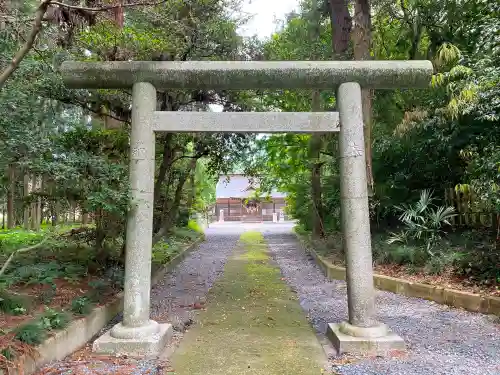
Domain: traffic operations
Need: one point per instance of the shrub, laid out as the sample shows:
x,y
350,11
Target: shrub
x,y
81,306
185,234
423,223
31,333
480,265
52,320
99,291
437,264
115,276
401,254
163,252
12,304
183,217
194,226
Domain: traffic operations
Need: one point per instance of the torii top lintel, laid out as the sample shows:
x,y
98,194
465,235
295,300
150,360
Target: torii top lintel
x,y
246,75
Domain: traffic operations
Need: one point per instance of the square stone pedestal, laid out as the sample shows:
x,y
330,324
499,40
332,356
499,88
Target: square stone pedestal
x,y
363,345
147,347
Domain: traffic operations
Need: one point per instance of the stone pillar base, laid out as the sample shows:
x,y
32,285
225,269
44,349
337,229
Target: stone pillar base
x,y
146,346
373,344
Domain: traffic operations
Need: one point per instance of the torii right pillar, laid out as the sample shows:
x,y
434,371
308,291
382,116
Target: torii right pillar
x,y
362,333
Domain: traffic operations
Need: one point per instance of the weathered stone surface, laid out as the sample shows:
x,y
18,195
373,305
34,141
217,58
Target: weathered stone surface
x,y
391,284
465,300
381,345
140,221
246,122
354,208
146,346
336,273
371,332
429,292
240,75
494,305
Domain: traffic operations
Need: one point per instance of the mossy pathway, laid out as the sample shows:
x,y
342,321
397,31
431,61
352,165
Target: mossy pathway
x,y
253,323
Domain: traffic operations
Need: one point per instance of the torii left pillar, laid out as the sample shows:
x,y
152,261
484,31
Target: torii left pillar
x,y
137,334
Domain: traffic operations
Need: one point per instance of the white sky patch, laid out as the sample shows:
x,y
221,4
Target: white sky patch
x,y
265,12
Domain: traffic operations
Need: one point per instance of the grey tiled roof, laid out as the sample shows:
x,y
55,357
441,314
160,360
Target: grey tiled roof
x,y
239,186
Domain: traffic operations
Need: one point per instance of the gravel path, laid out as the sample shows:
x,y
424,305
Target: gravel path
x,y
441,340
175,299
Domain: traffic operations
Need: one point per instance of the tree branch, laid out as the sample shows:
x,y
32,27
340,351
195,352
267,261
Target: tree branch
x,y
37,27
196,156
23,250
107,7
30,41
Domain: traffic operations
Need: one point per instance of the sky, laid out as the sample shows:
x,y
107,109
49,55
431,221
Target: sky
x,y
265,12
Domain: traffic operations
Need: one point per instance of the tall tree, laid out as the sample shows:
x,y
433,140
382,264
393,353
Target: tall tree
x,y
341,25
316,141
362,39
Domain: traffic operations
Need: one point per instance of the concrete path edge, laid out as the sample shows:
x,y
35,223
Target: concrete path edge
x,y
82,330
468,301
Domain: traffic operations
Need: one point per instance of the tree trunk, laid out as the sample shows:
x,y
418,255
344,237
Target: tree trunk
x,y
362,39
34,205
170,210
341,27
316,140
192,186
191,193
10,197
315,145
164,166
3,216
26,193
56,208
38,203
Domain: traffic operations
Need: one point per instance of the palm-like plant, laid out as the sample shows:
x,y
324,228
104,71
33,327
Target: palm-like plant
x,y
423,221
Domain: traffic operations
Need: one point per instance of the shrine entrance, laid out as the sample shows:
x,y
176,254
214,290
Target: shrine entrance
x,y
252,211
137,334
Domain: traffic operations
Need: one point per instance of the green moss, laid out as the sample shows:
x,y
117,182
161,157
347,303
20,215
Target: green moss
x,y
253,323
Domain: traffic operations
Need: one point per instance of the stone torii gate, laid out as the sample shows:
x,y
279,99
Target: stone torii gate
x,y
137,334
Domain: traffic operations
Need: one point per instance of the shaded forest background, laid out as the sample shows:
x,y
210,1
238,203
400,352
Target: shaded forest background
x,y
64,152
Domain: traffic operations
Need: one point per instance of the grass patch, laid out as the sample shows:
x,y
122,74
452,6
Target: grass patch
x,y
253,323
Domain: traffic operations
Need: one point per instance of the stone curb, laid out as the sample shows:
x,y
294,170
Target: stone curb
x,y
82,330
455,298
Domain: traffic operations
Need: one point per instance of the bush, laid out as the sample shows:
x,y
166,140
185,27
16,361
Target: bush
x,y
12,304
423,222
481,265
163,252
52,320
183,218
99,290
31,333
81,305
194,226
436,265
185,234
402,254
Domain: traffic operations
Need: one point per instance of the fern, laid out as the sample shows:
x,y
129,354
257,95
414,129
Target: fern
x,y
423,222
